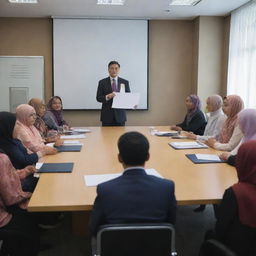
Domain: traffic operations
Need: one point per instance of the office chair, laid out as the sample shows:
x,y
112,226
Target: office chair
x,y
136,240
213,247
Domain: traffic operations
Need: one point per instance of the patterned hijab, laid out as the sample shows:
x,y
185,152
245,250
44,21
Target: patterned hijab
x,y
245,189
39,123
57,113
247,124
197,106
236,105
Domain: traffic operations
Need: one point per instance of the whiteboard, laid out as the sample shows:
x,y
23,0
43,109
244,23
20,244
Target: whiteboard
x,y
82,49
21,78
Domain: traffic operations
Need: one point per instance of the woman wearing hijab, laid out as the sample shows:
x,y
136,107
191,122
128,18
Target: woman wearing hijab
x,y
194,120
247,124
231,134
17,153
215,120
236,221
13,215
53,116
27,133
47,135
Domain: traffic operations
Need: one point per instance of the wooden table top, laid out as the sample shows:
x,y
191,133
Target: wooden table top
x,y
194,183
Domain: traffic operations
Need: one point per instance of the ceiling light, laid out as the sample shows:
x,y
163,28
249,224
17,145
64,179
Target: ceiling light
x,y
185,2
111,2
23,1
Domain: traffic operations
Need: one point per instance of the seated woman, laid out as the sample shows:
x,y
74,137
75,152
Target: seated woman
x,y
247,124
215,121
47,135
17,153
231,134
53,116
194,120
13,215
27,133
236,222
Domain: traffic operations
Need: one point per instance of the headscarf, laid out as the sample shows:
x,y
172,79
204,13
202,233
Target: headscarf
x,y
7,124
197,106
237,105
215,101
57,114
245,189
247,124
39,123
26,132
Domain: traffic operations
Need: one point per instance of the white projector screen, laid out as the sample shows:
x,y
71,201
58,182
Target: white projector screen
x,y
84,47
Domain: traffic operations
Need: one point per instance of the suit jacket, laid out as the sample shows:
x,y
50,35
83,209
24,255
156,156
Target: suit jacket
x,y
107,113
134,197
196,124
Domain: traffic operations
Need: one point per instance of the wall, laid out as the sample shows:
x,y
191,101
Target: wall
x,y
173,55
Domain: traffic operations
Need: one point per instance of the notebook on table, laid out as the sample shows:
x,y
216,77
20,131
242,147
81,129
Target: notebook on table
x,y
204,158
69,148
187,145
56,168
166,133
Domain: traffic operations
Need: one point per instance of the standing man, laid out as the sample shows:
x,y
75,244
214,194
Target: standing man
x,y
105,94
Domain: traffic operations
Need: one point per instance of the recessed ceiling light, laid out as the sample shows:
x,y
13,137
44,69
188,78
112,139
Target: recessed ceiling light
x,y
23,1
185,2
111,2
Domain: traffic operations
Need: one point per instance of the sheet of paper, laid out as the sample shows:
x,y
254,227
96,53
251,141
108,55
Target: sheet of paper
x,y
166,132
207,157
72,142
50,144
126,100
78,129
39,165
185,143
78,136
94,180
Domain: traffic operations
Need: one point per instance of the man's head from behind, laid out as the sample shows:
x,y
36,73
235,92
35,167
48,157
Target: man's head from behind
x,y
133,149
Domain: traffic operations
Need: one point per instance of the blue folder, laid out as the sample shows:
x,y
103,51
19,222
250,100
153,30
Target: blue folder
x,y
195,160
69,148
56,167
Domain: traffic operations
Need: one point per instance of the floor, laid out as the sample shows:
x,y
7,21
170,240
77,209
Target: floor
x,y
190,228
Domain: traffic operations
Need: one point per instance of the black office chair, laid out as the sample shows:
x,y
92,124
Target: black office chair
x,y
213,247
136,240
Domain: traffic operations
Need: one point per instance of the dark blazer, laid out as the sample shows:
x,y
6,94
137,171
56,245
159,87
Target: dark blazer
x,y
232,160
18,154
196,125
134,197
229,230
107,113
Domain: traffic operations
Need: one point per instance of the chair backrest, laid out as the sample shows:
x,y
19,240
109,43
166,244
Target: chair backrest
x,y
136,240
213,247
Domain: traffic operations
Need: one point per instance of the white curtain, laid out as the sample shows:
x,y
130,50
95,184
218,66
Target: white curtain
x,y
242,54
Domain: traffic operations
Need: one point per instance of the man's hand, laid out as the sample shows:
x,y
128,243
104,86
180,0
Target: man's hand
x,y
110,96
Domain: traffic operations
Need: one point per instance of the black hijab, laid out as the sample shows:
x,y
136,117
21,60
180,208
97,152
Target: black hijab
x,y
7,123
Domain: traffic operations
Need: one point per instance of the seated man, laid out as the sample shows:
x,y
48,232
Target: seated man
x,y
134,197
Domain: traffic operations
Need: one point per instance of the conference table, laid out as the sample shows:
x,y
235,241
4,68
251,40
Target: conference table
x,y
194,183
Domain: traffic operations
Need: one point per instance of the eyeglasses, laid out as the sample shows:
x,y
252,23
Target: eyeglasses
x,y
33,114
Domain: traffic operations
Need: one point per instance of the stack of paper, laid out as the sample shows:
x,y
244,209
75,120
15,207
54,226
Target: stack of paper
x,y
207,157
72,142
82,130
78,136
94,180
187,145
166,133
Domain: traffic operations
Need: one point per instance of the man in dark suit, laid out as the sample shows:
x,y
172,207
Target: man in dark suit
x,y
106,92
134,197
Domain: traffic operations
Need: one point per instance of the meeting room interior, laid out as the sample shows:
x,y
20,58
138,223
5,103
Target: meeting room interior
x,y
93,90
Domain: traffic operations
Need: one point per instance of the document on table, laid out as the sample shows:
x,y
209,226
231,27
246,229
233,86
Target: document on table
x,y
82,130
126,100
94,180
187,145
78,136
72,142
207,157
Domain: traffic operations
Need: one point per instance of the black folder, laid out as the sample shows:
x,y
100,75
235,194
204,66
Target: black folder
x,y
56,167
69,148
195,160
